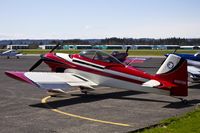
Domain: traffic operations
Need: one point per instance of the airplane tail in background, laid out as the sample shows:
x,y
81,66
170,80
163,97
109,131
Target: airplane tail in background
x,y
174,74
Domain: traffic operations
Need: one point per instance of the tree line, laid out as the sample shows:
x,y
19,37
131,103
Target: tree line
x,y
131,41
107,41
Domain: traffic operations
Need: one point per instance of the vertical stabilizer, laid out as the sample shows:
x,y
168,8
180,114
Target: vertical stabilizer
x,y
174,70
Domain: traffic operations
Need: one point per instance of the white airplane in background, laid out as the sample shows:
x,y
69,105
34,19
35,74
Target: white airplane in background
x,y
11,53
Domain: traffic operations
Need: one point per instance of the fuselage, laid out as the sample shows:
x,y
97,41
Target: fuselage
x,y
102,72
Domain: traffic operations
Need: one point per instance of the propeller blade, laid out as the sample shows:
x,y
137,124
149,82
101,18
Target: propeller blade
x,y
174,51
36,64
127,49
54,48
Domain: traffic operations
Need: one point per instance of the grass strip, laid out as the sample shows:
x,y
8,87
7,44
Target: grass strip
x,y
131,52
188,123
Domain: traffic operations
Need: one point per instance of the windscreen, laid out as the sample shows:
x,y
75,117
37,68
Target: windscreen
x,y
100,56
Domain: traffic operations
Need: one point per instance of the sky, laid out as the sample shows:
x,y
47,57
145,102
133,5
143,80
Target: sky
x,y
98,19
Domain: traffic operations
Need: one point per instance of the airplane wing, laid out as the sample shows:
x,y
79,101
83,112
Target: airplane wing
x,y
6,52
50,80
194,71
19,54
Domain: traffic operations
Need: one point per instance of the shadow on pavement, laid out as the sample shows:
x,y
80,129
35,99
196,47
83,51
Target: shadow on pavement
x,y
82,98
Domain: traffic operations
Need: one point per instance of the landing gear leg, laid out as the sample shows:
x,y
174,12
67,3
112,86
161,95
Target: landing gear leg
x,y
83,90
53,95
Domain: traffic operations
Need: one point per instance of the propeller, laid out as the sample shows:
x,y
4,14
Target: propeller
x,y
174,51
54,48
36,64
127,49
42,58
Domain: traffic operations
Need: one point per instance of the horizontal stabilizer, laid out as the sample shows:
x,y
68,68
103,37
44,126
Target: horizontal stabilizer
x,y
151,83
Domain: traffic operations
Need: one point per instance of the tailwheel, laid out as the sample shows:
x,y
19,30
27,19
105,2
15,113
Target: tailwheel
x,y
184,101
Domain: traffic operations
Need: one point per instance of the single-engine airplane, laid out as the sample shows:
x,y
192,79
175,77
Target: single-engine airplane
x,y
193,61
94,68
11,53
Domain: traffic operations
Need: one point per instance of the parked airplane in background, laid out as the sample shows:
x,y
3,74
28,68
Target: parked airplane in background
x,y
95,68
123,57
11,53
193,64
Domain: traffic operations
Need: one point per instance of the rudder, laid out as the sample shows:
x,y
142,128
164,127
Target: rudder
x,y
174,70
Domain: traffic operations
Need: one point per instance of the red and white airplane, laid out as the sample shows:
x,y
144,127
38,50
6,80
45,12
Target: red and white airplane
x,y
95,68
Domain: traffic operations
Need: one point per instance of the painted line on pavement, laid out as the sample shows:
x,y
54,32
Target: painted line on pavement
x,y
45,101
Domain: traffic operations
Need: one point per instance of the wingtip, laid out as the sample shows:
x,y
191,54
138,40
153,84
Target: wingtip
x,y
18,76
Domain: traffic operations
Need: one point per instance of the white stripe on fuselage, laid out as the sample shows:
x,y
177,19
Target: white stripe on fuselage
x,y
111,71
115,83
76,59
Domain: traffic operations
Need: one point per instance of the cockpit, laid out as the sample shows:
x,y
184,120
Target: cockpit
x,y
99,56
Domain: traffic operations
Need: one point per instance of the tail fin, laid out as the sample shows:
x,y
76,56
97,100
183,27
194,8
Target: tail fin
x,y
174,71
